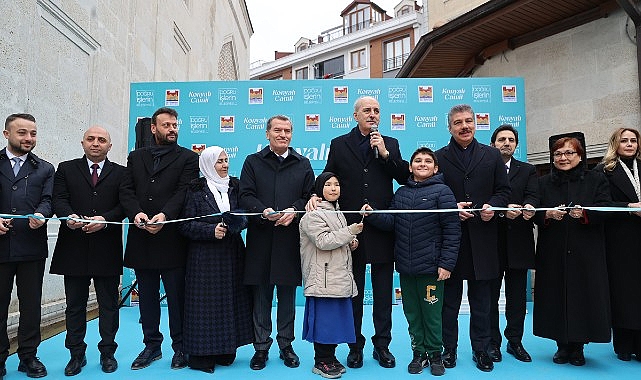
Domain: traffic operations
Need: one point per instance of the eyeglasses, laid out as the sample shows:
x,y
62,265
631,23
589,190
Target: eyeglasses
x,y
568,154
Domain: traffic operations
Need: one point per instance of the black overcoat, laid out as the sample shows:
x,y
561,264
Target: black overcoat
x,y
623,248
78,253
366,179
483,181
571,296
218,314
152,191
27,193
519,233
273,252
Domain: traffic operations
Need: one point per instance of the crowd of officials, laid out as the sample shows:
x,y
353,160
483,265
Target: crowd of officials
x,y
322,232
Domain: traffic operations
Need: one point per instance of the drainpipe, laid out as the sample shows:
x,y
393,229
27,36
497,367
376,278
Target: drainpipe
x,y
632,9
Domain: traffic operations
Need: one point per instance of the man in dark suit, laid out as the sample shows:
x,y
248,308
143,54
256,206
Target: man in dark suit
x,y
367,164
26,184
153,192
88,188
274,180
476,175
516,247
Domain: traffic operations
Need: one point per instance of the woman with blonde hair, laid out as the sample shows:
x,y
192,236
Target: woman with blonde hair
x,y
621,165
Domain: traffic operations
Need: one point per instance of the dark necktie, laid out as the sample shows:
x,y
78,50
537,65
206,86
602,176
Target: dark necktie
x,y
94,174
507,169
280,158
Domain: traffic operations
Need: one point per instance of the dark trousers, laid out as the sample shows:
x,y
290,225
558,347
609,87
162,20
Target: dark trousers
x,y
28,275
324,353
263,296
77,294
149,303
478,295
626,341
515,300
382,287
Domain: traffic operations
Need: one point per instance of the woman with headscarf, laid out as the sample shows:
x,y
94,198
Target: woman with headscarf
x,y
326,242
571,297
218,313
621,165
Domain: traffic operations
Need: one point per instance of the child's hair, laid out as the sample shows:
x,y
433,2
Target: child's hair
x,y
424,150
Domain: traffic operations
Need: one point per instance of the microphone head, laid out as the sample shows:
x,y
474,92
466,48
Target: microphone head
x,y
374,128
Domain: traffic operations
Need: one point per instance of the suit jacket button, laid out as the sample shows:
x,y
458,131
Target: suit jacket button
x,y
95,193
151,198
14,187
365,170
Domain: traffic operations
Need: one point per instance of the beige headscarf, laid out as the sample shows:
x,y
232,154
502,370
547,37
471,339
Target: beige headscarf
x,y
217,184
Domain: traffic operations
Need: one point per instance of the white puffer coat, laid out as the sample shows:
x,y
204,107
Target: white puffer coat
x,y
326,259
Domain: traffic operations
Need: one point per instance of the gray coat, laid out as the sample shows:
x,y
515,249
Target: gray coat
x,y
326,259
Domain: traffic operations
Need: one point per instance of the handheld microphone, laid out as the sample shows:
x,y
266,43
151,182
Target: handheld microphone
x,y
375,129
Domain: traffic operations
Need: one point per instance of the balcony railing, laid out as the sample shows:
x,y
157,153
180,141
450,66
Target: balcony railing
x,y
395,62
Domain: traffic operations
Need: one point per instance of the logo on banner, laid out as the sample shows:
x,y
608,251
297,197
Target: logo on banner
x,y
373,93
227,124
172,98
337,122
397,94
341,94
425,121
231,151
198,148
482,121
453,93
425,94
398,121
426,144
312,95
283,95
256,95
144,98
199,97
509,93
312,122
481,93
514,120
198,124
227,96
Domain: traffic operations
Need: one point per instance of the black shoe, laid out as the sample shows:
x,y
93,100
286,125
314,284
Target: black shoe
x,y
289,357
355,358
339,366
625,356
146,357
259,360
561,356
576,357
518,351
384,357
179,360
327,370
75,365
483,361
436,364
108,363
419,361
449,358
494,352
33,367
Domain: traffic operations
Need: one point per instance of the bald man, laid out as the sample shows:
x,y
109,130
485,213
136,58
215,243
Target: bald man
x,y
87,189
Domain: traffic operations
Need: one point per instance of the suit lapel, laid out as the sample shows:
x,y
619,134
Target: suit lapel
x,y
106,170
5,166
453,158
621,180
352,145
83,169
165,160
514,169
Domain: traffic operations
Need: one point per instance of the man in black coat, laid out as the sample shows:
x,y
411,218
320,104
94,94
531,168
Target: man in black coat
x,y
367,163
273,181
153,192
476,175
26,184
88,188
516,247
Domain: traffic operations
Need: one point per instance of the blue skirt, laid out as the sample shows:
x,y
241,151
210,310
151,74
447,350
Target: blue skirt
x,y
328,320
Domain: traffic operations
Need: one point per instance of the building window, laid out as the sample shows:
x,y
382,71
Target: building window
x,y
332,68
405,10
301,47
302,73
357,59
396,52
227,63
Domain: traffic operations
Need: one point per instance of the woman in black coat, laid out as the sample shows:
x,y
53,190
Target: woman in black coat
x,y
217,304
571,301
621,167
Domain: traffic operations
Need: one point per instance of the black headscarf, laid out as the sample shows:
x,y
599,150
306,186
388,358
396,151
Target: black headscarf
x,y
320,182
